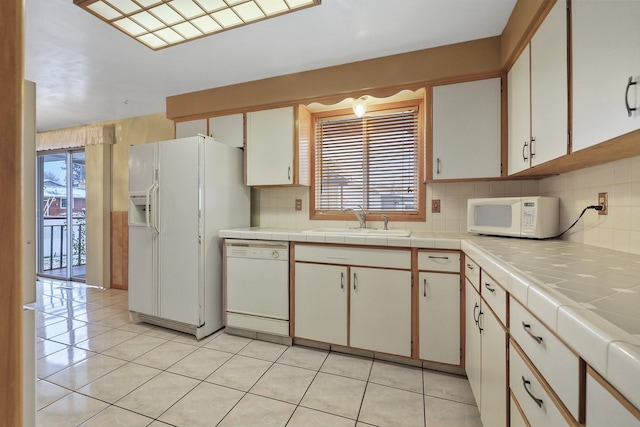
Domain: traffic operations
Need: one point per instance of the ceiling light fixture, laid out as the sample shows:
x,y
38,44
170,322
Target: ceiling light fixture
x,y
360,106
162,23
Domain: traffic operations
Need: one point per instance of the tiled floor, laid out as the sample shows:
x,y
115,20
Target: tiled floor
x,y
96,368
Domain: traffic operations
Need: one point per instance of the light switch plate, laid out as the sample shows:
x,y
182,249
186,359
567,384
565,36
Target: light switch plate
x,y
435,206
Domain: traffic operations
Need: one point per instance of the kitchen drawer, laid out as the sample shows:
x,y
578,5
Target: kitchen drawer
x,y
439,261
532,394
557,364
516,418
495,296
366,257
472,272
606,406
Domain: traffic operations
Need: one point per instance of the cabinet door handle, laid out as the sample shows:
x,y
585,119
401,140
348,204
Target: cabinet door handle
x,y
470,267
480,328
489,288
341,280
626,96
524,147
526,383
438,166
533,149
424,289
289,173
476,319
527,329
355,279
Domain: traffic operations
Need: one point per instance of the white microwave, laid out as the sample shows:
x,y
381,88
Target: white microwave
x,y
531,217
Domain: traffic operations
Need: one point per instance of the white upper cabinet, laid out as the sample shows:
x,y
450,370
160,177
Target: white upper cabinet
x,y
605,46
277,146
549,87
538,95
519,87
466,130
191,128
228,129
270,144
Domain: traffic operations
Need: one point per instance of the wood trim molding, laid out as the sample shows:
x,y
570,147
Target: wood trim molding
x,y
11,87
120,250
621,147
525,19
406,70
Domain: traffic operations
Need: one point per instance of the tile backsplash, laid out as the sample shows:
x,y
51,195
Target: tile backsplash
x,y
620,230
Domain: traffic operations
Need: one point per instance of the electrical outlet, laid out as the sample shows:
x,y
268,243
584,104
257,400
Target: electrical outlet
x,y
603,199
435,206
298,204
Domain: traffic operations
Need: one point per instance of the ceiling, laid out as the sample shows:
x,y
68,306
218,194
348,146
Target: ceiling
x,y
87,72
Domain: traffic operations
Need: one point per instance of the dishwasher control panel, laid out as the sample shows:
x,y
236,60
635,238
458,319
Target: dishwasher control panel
x,y
256,249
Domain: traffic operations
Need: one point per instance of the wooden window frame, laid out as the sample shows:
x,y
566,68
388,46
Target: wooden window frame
x,y
420,214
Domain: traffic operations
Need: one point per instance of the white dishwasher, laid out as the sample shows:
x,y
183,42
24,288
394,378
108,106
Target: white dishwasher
x,y
257,290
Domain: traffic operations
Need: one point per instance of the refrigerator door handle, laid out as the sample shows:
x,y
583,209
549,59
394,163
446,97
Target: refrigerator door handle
x,y
149,215
147,206
153,207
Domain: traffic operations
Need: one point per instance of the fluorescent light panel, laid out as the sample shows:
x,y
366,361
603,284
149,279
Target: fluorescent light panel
x,y
162,23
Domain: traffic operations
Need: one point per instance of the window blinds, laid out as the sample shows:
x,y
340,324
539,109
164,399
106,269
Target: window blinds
x,y
370,161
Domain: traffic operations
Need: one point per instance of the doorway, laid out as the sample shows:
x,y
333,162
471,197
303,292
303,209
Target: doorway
x,y
61,232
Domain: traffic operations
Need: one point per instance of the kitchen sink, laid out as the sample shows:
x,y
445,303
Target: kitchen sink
x,y
360,231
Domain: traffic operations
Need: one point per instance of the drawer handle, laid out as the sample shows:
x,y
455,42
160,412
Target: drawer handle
x,y
438,257
526,383
424,291
489,288
470,267
527,329
341,280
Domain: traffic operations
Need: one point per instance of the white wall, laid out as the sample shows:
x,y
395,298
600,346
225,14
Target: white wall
x,y
620,230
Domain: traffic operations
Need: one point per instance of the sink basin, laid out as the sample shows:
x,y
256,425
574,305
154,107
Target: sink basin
x,y
360,231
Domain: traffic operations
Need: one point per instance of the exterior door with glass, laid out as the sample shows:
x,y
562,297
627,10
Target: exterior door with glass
x,y
61,234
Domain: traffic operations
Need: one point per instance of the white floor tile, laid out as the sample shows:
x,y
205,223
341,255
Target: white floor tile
x,y
136,374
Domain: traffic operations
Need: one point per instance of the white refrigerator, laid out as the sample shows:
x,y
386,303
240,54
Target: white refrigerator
x,y
181,194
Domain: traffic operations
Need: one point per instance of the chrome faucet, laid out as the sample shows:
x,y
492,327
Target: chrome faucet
x,y
362,217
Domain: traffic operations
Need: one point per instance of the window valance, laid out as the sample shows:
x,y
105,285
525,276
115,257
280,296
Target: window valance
x,y
75,137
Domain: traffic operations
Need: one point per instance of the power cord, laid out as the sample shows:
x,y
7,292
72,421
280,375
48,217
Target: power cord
x,y
595,207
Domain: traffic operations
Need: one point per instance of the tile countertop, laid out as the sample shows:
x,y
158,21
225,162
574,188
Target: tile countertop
x,y
589,296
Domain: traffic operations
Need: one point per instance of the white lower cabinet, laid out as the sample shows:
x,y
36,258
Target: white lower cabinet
x,y
354,303
380,318
438,297
486,359
516,418
605,406
472,339
556,363
493,383
321,302
439,317
532,393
